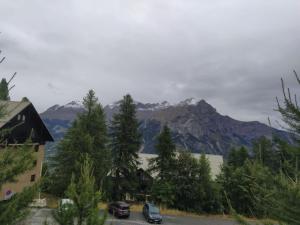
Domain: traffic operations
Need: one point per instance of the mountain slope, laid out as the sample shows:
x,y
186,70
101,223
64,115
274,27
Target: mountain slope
x,y
195,125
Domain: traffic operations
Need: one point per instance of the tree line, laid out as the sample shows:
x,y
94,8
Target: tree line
x,y
177,181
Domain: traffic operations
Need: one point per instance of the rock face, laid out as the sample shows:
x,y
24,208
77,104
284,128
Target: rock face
x,y
195,125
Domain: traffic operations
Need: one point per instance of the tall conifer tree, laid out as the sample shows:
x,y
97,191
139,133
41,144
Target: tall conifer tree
x,y
163,164
4,92
125,144
87,135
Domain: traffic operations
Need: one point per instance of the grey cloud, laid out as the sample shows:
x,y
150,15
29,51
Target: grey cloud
x,y
231,53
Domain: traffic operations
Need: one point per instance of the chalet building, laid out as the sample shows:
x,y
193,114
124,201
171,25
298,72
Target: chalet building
x,y
23,122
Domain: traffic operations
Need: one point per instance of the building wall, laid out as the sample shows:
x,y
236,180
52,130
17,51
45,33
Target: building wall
x,y
24,180
215,161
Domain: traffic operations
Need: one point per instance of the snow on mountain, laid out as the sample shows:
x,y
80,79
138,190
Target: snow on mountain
x,y
157,106
153,106
68,111
189,101
114,105
195,125
73,104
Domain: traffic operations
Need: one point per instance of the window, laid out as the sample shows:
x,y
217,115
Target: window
x,y
19,117
32,178
36,148
34,162
23,118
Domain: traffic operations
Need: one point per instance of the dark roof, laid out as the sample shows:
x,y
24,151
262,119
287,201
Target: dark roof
x,y
12,109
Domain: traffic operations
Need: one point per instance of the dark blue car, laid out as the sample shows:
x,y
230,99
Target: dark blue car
x,y
151,213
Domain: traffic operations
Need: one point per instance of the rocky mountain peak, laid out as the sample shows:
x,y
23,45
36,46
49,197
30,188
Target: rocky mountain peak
x,y
195,125
73,104
68,111
53,108
189,101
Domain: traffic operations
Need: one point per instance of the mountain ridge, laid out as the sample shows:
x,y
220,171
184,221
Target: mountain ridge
x,y
196,125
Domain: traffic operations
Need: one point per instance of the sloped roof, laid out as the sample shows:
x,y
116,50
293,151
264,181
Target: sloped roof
x,y
12,109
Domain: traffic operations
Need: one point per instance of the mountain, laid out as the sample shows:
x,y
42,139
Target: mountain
x,y
195,125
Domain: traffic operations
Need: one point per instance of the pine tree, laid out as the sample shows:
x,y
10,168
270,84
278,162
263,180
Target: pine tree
x,y
163,164
87,135
195,190
4,93
186,182
12,164
270,184
237,157
290,111
82,192
125,144
25,99
163,193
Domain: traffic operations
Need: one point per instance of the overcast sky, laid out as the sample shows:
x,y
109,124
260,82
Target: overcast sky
x,y
231,53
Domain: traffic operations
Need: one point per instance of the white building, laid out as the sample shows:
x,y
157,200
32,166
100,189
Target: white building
x,y
215,161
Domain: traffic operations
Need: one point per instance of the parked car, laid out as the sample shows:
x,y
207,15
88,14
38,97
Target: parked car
x,y
65,201
66,204
152,213
119,209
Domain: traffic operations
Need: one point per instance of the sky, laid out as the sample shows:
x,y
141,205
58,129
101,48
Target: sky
x,y
231,53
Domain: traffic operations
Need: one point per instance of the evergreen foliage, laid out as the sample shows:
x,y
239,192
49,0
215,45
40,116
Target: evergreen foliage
x,y
269,183
182,181
65,214
164,163
265,153
25,99
244,187
163,166
186,181
163,193
290,111
195,189
4,90
87,135
237,157
85,198
125,144
13,163
16,208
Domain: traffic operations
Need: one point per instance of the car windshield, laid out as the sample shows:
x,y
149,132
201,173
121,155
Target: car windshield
x,y
154,210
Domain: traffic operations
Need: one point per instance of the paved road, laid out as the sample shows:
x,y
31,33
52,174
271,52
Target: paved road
x,y
38,216
138,219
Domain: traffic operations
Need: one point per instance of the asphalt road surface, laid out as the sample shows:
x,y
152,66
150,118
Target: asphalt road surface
x,y
138,219
38,217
